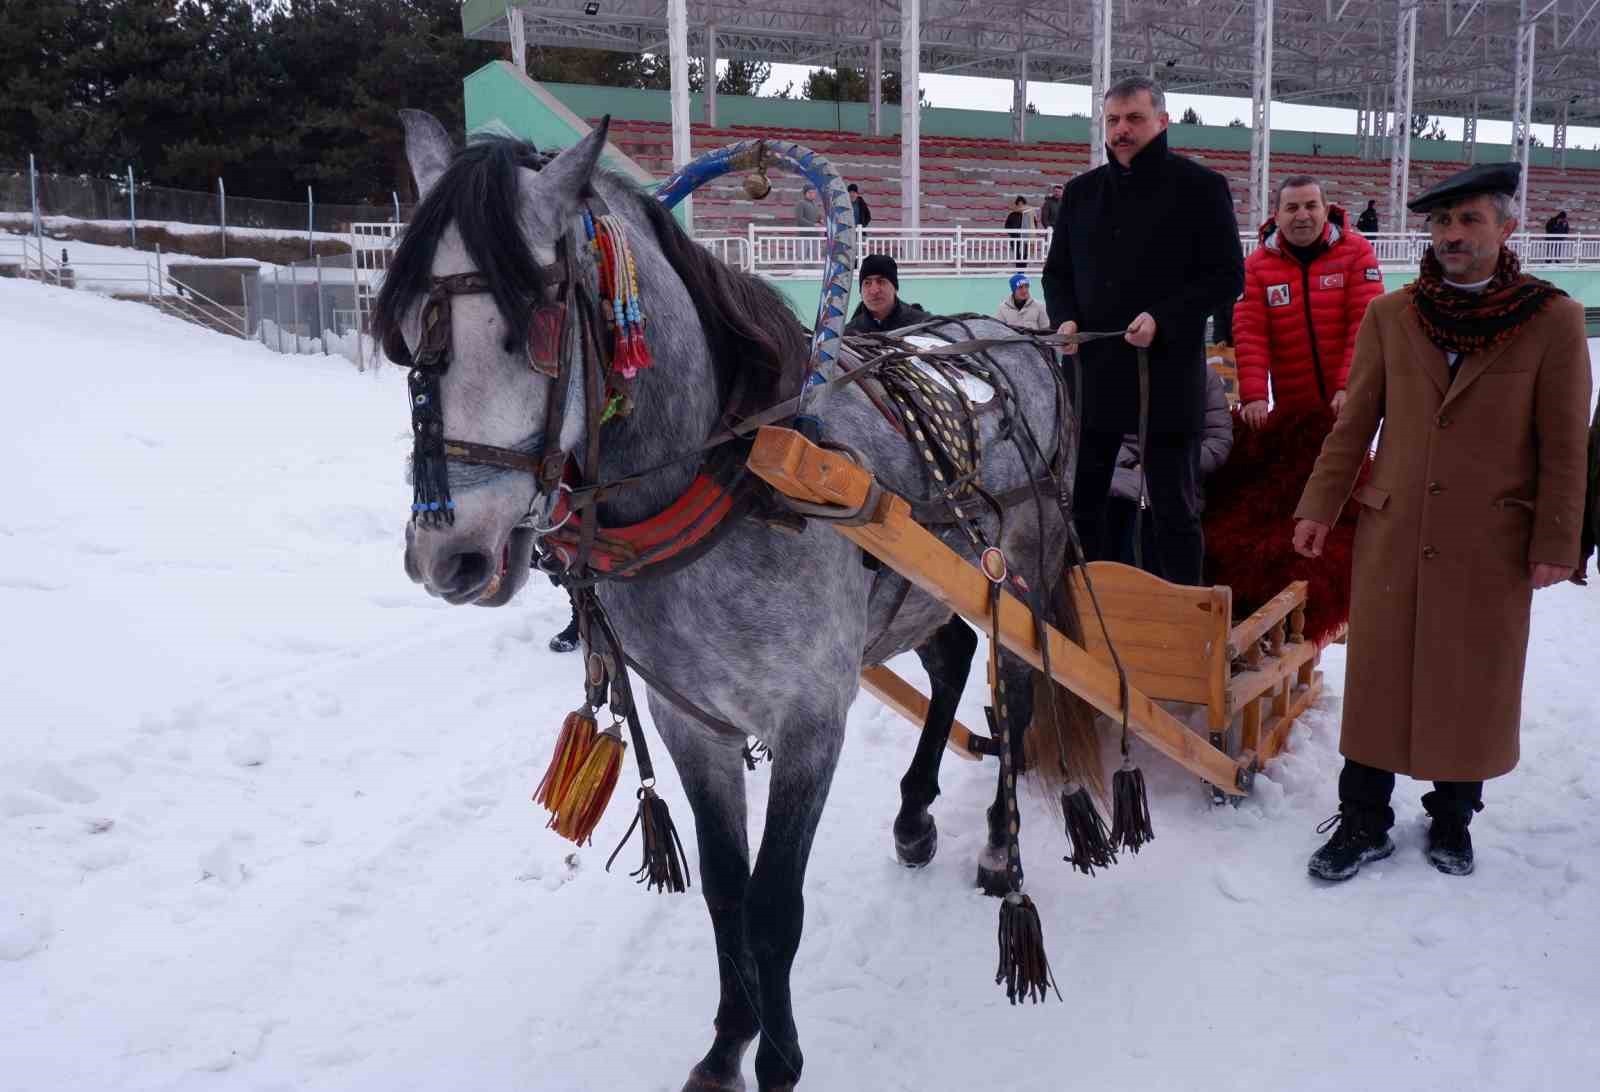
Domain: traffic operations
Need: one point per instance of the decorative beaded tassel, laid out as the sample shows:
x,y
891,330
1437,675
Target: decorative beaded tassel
x,y
431,505
619,293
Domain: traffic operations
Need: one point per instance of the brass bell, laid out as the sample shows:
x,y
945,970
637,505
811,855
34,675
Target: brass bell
x,y
757,185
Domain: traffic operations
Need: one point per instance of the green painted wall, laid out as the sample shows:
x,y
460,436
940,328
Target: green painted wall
x,y
953,295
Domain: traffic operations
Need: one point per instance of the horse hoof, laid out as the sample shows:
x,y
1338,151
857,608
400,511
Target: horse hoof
x,y
915,843
992,877
700,1081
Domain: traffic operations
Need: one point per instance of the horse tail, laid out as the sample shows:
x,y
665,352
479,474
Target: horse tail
x,y
1061,741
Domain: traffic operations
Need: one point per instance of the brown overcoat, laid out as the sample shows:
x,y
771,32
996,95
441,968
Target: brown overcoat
x,y
1473,480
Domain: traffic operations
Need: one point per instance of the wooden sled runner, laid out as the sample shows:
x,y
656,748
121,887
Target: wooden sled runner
x,y
793,465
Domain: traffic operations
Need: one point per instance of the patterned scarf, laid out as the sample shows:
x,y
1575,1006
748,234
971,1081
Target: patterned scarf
x,y
1469,322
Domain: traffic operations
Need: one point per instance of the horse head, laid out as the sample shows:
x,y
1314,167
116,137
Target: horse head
x,y
482,264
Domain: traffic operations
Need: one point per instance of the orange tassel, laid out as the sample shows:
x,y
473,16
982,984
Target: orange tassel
x,y
578,811
572,747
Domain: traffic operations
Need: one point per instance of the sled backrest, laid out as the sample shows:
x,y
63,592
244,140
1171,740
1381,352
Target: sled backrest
x,y
1172,639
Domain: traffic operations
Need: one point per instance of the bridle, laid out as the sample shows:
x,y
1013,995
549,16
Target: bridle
x,y
549,330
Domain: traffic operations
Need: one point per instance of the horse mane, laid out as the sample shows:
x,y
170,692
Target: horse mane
x,y
748,325
478,193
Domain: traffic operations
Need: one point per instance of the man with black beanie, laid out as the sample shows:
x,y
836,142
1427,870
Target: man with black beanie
x,y
881,307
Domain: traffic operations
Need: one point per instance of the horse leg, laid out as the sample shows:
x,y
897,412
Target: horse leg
x,y
802,769
712,773
947,658
992,862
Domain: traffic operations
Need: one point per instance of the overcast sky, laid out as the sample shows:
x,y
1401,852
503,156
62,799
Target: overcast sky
x,y
973,93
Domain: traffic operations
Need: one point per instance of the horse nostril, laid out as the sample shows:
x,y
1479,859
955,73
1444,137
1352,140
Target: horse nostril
x,y
461,572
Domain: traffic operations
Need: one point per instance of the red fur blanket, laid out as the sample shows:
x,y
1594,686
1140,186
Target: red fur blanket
x,y
1249,522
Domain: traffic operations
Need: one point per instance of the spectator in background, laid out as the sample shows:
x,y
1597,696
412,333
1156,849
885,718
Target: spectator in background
x,y
1127,485
1018,220
807,213
1049,206
1020,309
859,203
1367,222
1558,225
1148,244
1306,288
881,307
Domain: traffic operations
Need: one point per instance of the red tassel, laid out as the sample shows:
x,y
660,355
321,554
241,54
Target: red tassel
x,y
572,747
641,349
578,812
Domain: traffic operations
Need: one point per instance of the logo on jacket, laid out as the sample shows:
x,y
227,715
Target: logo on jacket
x,y
1333,280
1373,274
1277,295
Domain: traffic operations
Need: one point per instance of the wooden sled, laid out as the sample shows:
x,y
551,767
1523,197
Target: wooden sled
x,y
1179,643
800,469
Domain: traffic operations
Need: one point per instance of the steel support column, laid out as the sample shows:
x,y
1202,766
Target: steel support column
x,y
1099,78
1560,141
1019,101
518,36
875,87
1469,134
1405,50
678,57
910,114
1522,103
1261,113
1364,125
711,75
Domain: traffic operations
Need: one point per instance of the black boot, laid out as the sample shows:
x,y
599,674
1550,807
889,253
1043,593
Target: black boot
x,y
567,639
1362,836
1450,847
1452,805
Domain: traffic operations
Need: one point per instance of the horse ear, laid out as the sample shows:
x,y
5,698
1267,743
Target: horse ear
x,y
566,177
428,148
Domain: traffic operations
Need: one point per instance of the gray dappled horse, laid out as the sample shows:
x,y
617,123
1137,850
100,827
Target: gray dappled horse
x,y
768,630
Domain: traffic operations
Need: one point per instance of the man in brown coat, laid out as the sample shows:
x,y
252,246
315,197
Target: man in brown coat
x,y
1479,376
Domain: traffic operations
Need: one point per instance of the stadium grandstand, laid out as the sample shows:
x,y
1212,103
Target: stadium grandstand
x,y
1522,61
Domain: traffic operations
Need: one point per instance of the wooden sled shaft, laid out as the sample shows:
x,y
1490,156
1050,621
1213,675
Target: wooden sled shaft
x,y
795,466
910,703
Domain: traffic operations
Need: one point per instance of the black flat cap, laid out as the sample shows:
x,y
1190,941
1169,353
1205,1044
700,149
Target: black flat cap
x,y
1483,178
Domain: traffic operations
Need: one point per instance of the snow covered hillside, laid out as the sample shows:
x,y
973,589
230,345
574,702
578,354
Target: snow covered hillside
x,y
264,816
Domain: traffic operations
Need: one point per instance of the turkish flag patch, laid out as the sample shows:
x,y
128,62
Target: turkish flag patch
x,y
1277,295
1333,280
1373,274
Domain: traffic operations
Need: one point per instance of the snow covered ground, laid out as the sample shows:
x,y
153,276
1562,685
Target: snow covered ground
x,y
264,817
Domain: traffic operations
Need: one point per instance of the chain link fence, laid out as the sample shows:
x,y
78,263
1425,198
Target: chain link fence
x,y
84,198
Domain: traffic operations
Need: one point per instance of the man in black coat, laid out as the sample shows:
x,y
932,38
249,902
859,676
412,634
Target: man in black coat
x,y
1147,244
881,307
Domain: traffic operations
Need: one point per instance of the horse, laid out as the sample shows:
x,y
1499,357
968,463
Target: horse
x,y
769,629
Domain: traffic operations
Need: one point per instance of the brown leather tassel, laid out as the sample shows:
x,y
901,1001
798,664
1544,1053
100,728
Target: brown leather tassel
x,y
1024,967
572,747
578,812
662,867
1088,841
1130,809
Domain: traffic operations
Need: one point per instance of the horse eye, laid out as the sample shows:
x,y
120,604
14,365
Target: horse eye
x,y
509,344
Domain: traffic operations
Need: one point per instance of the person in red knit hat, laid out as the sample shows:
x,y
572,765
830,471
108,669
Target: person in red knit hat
x,y
1305,289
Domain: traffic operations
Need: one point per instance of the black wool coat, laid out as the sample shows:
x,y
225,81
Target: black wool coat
x,y
904,314
1160,237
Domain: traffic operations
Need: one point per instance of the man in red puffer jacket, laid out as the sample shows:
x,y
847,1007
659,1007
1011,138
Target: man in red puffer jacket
x,y
1305,289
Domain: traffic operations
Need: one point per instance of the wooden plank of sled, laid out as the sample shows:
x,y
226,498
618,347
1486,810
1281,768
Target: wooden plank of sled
x,y
1270,613
908,701
1275,732
1249,685
791,463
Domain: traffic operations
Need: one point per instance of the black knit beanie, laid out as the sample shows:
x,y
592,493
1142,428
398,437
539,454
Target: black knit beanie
x,y
880,265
